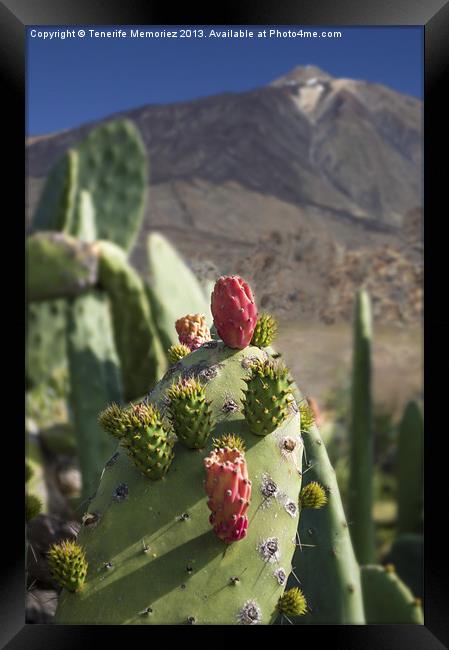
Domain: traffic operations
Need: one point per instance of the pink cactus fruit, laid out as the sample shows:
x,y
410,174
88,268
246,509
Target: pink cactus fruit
x,y
229,490
193,331
234,310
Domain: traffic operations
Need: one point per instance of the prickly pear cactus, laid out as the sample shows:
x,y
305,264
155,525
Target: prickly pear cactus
x,y
154,556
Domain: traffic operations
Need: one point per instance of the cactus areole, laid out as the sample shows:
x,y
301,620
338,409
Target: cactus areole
x,y
234,311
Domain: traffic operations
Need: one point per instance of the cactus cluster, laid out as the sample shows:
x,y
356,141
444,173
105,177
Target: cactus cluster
x,y
200,515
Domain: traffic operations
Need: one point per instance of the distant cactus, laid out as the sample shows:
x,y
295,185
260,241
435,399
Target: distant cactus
x,y
361,435
410,470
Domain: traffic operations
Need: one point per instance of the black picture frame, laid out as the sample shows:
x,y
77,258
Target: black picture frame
x,y
433,16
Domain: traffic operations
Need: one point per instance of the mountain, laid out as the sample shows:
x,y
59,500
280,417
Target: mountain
x,y
280,183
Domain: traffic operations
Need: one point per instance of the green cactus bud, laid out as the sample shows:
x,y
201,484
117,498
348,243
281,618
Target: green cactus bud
x,y
68,565
312,495
265,331
33,506
292,603
307,417
145,436
113,420
267,396
229,440
177,352
190,413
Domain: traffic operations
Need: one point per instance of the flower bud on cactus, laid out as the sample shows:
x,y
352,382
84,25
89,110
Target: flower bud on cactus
x,y
193,331
312,495
234,311
292,603
267,396
315,411
33,506
229,491
229,440
307,416
265,331
143,434
177,352
190,412
68,565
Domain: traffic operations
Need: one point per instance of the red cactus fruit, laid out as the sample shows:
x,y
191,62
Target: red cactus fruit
x,y
234,311
193,331
229,490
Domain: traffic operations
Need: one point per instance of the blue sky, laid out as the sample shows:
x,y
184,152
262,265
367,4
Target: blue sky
x,y
77,80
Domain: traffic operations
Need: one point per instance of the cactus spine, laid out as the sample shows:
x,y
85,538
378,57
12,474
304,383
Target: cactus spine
x,y
361,435
410,470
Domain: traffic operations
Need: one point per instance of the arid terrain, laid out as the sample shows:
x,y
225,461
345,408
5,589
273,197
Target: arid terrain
x,y
309,187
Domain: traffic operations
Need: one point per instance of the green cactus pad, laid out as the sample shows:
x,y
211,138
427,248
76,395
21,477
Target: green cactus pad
x,y
144,435
113,168
177,352
174,289
407,555
267,396
360,497
59,266
68,565
46,349
57,202
141,354
325,562
410,470
387,599
190,413
265,331
84,225
153,556
95,381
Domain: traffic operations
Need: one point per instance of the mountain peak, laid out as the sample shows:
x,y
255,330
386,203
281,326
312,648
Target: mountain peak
x,y
302,74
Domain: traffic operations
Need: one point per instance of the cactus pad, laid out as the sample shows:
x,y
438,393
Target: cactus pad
x,y
154,556
113,168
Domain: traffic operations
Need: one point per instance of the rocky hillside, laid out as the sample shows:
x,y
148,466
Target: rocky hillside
x,y
285,184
